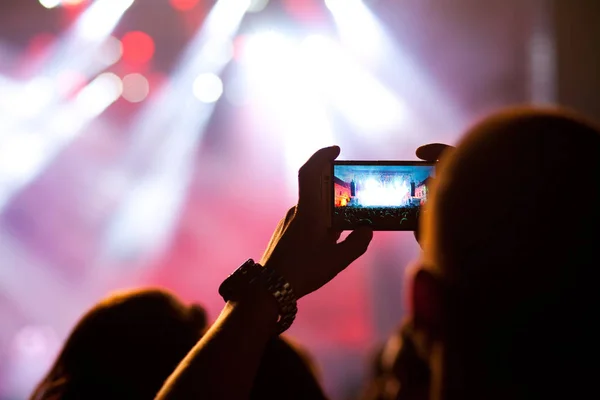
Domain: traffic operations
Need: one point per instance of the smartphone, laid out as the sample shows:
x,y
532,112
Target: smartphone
x,y
388,195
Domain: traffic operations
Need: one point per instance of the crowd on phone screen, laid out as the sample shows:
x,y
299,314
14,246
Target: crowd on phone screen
x,y
504,300
390,217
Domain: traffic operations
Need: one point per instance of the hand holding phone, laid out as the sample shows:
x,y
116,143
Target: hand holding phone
x,y
302,249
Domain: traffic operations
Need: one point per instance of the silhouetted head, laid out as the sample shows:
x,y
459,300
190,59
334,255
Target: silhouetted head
x,y
125,347
505,303
286,372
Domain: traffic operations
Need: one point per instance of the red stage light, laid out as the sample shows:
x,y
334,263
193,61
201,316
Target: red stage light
x,y
183,5
138,47
40,43
72,3
304,10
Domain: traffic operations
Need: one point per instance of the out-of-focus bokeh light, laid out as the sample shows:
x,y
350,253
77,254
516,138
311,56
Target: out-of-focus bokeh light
x,y
257,5
218,51
138,47
72,3
99,94
183,5
208,88
111,51
50,3
135,88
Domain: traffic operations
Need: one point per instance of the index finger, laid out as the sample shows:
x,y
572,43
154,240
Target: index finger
x,y
309,178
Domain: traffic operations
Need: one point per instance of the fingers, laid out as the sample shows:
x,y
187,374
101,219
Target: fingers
x,y
333,235
309,178
355,245
289,215
336,235
432,151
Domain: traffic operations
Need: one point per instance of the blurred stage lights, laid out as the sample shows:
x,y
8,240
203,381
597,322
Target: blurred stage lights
x,y
266,48
71,3
50,3
236,91
55,3
40,43
219,51
110,51
70,81
99,94
257,5
33,98
36,340
183,5
208,88
99,20
135,88
19,156
138,47
338,5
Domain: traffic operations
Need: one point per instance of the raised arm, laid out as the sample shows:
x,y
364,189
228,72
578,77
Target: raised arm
x,y
306,254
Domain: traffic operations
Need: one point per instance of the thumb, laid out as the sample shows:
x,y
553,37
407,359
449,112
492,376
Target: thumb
x,y
354,246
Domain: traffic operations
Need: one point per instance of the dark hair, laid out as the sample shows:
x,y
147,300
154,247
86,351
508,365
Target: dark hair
x,y
125,347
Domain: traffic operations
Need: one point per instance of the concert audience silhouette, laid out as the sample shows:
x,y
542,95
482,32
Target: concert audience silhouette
x,y
503,300
126,346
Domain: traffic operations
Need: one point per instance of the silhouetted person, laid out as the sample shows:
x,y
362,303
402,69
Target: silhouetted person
x,y
124,348
505,304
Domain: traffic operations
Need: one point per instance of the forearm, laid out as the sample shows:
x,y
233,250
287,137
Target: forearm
x,y
224,362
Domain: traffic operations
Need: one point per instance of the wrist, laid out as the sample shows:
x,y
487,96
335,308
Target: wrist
x,y
257,306
255,296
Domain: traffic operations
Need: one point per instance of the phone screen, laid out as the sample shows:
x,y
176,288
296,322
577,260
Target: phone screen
x,y
387,194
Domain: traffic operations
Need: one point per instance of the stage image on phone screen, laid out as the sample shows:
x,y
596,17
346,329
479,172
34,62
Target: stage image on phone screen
x,y
388,196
